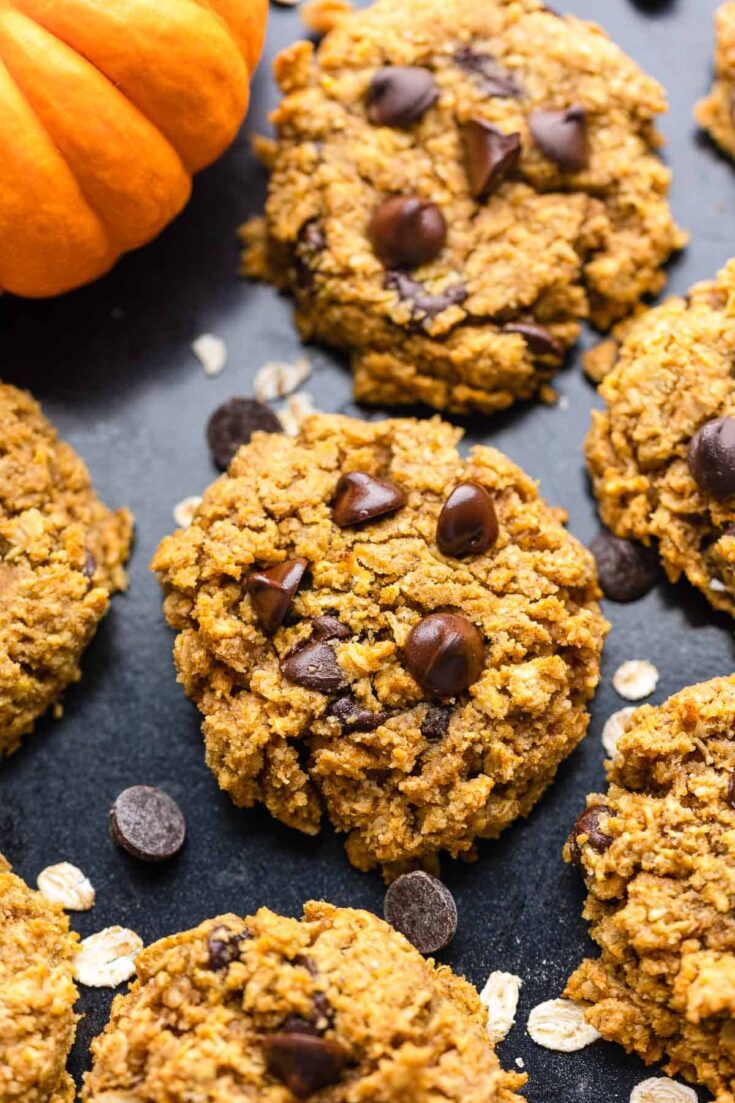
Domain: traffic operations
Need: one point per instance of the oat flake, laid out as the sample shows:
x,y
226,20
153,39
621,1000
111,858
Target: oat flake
x,y
185,509
500,997
560,1025
65,884
107,958
614,728
660,1089
211,352
278,378
635,679
298,408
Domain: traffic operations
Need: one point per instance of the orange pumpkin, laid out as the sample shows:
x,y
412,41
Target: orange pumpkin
x,y
107,108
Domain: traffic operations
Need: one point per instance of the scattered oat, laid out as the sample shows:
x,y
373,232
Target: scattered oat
x,y
298,408
635,679
211,352
560,1025
65,884
185,509
614,728
500,997
520,1063
563,402
660,1089
717,585
278,378
107,958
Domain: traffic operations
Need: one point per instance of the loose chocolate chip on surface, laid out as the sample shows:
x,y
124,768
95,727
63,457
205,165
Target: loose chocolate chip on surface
x,y
272,591
425,306
304,1063
398,95
423,910
731,791
329,628
468,523
147,823
711,458
490,155
540,341
627,571
562,136
355,718
495,80
223,947
435,723
406,232
314,666
360,497
233,424
588,823
445,654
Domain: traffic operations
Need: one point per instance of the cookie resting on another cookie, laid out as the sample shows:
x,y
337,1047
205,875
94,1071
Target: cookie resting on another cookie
x,y
454,185
662,453
336,1006
61,556
716,112
658,855
37,995
380,630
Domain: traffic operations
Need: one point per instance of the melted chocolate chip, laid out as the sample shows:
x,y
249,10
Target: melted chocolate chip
x,y
424,306
494,79
540,341
562,136
272,590
223,947
406,232
435,723
311,244
314,666
305,1064
354,718
329,628
445,654
468,523
233,423
711,458
627,570
588,823
423,910
295,1024
398,95
490,156
360,497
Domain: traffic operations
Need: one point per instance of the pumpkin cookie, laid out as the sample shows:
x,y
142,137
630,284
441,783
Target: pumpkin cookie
x,y
380,630
662,454
454,185
716,112
337,1006
37,995
61,556
658,854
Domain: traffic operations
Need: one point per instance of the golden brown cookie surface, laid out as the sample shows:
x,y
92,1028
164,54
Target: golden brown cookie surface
x,y
716,112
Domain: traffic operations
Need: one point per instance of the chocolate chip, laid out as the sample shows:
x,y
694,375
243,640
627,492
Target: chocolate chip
x,y
435,723
539,340
360,497
272,590
627,570
147,823
398,95
562,136
730,798
223,947
305,1064
311,244
494,79
588,823
423,910
711,458
354,718
406,232
233,424
468,523
90,565
445,654
329,628
295,1024
314,666
424,305
490,156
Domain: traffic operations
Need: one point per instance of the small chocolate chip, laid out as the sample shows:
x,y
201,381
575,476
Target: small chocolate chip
x,y
494,79
354,718
90,565
540,341
423,910
435,723
398,95
303,1063
233,423
147,823
490,156
711,458
309,247
406,232
468,523
730,798
272,590
445,654
223,947
360,497
627,571
295,1024
588,823
562,136
424,305
306,961
314,666
329,628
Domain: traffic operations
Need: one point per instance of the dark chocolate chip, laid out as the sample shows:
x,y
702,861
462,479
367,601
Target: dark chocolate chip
x,y
272,590
295,1024
223,947
305,1064
406,232
398,95
731,791
435,723
540,341
468,523
90,565
490,156
360,497
233,424
329,628
147,823
588,823
494,79
627,571
309,247
354,718
424,305
711,458
314,666
562,136
306,961
423,910
445,654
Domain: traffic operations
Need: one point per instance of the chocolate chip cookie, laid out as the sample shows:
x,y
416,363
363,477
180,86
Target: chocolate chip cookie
x,y
37,995
657,853
716,112
336,1006
662,453
380,630
453,186
61,556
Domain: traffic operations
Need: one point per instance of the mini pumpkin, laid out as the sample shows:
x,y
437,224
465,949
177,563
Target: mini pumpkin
x,y
107,108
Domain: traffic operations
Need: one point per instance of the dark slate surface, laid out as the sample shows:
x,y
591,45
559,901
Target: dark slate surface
x,y
113,368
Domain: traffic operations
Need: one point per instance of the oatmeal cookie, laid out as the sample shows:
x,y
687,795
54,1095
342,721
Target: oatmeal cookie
x,y
380,630
658,854
37,995
716,112
662,453
453,186
336,1006
61,556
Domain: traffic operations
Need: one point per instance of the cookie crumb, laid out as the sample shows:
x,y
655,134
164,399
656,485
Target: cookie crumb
x,y
185,509
298,408
107,958
614,728
660,1089
66,885
277,378
635,679
560,1025
211,352
500,997
717,585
